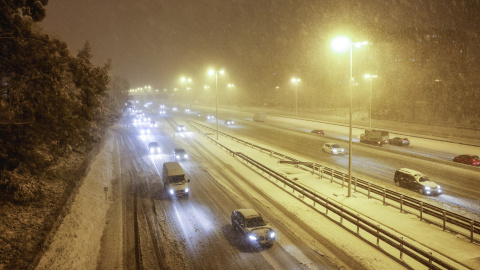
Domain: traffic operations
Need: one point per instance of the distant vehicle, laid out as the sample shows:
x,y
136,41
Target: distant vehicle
x,y
179,154
174,109
399,141
473,160
373,136
416,181
162,112
229,122
145,131
253,228
181,128
187,110
174,180
153,124
200,115
209,117
333,149
318,131
162,106
153,148
259,117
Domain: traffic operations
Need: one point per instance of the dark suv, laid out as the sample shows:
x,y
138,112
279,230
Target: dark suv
x,y
416,181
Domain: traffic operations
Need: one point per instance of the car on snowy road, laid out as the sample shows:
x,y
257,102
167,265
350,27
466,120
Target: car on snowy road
x,y
399,141
179,154
252,227
416,181
153,148
473,160
333,149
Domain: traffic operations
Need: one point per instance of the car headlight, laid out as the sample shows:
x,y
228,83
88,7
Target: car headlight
x,y
186,190
171,191
142,131
177,156
186,156
151,151
334,150
427,188
252,237
272,235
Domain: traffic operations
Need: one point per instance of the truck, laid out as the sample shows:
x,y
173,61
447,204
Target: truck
x,y
174,180
374,136
259,117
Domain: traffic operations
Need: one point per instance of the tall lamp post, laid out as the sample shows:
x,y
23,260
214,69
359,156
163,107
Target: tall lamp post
x,y
186,81
296,81
342,44
368,76
211,73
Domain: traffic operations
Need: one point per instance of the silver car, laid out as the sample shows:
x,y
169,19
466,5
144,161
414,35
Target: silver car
x,y
333,149
252,227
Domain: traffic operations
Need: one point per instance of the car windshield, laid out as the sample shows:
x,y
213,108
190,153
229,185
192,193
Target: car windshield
x,y
177,179
153,145
423,179
255,222
179,151
335,146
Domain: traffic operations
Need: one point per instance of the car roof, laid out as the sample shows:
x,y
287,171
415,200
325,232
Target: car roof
x,y
178,149
412,172
248,213
153,143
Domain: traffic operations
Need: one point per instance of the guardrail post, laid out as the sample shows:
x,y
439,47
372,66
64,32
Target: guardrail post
x,y
369,190
378,235
384,195
401,248
401,203
331,179
444,219
326,207
358,223
471,231
313,168
341,214
421,211
321,172
343,179
354,184
430,258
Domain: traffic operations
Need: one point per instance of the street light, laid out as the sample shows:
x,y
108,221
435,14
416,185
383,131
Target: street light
x,y
370,111
186,81
296,81
342,44
211,72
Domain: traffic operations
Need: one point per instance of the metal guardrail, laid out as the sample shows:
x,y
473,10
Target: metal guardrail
x,y
420,208
404,247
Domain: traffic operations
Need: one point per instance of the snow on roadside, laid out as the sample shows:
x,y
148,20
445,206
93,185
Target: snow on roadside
x,y
76,244
452,245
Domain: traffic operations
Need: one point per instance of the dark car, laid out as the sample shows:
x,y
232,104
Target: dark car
x,y
416,181
253,228
179,154
467,159
399,141
318,131
153,148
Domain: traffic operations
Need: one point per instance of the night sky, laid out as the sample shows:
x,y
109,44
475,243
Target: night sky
x,y
157,41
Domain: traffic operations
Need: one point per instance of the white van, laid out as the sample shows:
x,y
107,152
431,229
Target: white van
x,y
174,179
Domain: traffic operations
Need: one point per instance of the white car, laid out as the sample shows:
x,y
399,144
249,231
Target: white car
x,y
229,122
333,149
